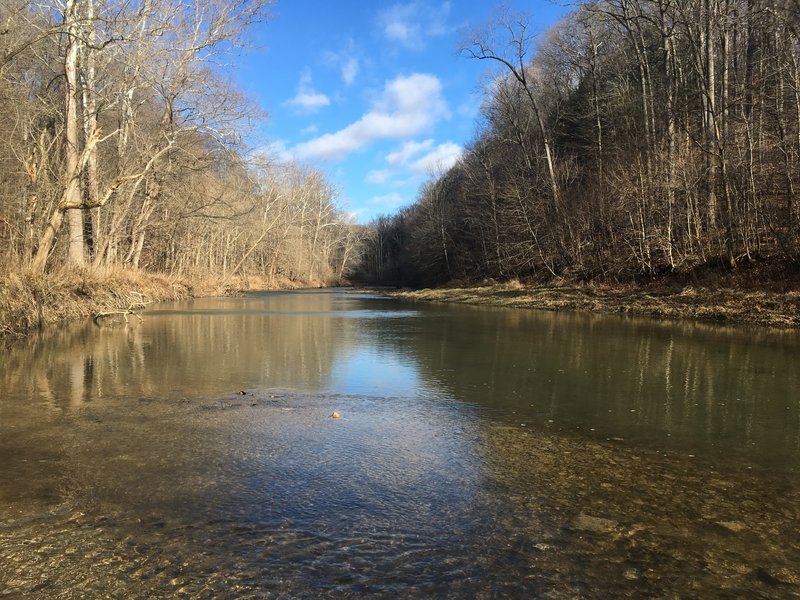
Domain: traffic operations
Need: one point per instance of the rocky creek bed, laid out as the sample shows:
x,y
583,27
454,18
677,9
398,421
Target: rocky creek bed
x,y
263,495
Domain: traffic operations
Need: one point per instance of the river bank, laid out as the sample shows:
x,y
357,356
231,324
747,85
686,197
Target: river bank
x,y
31,301
731,305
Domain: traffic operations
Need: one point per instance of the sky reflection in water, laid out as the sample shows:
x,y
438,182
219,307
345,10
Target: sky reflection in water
x,y
471,443
696,388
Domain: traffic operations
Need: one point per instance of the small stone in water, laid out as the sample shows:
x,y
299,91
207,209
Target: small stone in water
x,y
584,522
767,577
335,415
733,526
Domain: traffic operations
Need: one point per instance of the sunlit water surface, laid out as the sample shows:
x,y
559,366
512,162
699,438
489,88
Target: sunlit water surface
x,y
480,453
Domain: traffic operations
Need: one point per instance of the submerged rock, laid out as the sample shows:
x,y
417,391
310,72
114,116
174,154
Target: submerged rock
x,y
631,574
734,526
588,523
780,576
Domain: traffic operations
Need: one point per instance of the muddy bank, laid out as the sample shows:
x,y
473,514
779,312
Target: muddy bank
x,y
722,305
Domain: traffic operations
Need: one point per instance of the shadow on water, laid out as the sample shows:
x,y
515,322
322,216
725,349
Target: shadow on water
x,y
481,453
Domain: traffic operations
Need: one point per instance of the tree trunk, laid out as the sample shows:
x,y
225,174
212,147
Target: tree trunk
x,y
77,247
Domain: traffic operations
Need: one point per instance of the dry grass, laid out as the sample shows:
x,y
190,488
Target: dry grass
x,y
728,305
261,282
31,300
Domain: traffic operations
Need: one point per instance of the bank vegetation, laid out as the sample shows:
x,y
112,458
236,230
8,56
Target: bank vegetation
x,y
721,305
121,147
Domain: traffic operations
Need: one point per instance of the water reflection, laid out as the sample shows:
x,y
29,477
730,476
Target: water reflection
x,y
132,466
708,389
705,389
376,371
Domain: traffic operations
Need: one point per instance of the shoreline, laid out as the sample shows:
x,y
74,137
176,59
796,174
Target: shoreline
x,y
30,302
724,306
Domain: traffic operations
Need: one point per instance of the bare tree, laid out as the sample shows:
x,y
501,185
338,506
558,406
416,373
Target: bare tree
x,y
508,41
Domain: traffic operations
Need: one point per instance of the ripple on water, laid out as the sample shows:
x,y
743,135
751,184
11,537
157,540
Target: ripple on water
x,y
405,496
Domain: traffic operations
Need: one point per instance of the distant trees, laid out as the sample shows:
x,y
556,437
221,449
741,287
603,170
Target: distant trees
x,y
280,222
641,136
121,126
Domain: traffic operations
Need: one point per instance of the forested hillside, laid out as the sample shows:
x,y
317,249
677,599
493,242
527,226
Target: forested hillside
x,y
635,138
121,144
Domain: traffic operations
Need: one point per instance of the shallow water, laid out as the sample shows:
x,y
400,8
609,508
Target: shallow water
x,y
481,453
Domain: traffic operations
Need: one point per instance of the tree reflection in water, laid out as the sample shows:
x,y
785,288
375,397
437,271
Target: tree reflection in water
x,y
481,452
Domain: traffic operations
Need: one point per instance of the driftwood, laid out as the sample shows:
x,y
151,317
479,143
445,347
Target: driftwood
x,y
133,309
124,312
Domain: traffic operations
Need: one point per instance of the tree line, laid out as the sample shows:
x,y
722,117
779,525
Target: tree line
x,y
121,144
634,138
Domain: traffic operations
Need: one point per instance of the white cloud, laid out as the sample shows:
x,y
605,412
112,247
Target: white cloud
x,y
439,160
354,215
409,149
310,100
407,106
310,130
346,62
350,70
400,31
379,176
391,200
307,99
411,23
434,159
271,152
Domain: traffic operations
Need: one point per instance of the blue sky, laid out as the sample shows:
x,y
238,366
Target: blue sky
x,y
374,94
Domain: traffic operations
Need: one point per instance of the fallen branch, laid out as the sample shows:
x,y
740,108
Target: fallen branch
x,y
124,312
132,309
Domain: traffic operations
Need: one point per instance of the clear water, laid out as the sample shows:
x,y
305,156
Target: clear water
x,y
480,453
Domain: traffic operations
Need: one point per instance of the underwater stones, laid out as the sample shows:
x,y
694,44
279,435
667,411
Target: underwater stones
x,y
591,524
733,526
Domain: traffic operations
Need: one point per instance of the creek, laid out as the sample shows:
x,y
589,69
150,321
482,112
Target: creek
x,y
480,452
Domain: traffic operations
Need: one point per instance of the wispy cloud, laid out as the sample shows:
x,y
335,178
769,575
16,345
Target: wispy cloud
x,y
379,176
307,99
391,200
407,106
350,70
469,109
346,61
417,158
354,215
407,150
410,24
438,160
273,151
